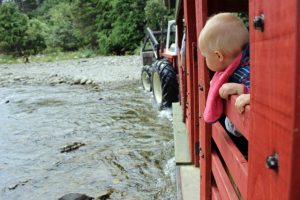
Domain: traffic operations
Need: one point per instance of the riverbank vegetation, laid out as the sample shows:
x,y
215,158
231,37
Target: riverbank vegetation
x,y
88,27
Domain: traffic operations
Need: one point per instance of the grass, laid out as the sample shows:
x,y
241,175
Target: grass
x,y
49,57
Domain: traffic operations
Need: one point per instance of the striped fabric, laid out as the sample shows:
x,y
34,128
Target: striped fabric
x,y
242,73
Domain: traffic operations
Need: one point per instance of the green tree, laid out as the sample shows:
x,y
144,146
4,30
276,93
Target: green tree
x,y
155,13
62,32
86,12
13,26
35,36
44,7
128,26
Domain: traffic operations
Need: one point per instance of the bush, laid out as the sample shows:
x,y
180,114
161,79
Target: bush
x,y
155,13
35,36
128,26
13,26
62,31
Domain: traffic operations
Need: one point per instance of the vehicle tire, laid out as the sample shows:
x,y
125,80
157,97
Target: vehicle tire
x,y
146,78
164,84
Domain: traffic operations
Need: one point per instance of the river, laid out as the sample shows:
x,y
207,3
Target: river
x,y
128,143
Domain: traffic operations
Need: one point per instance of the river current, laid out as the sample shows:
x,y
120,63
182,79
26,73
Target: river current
x,y
128,143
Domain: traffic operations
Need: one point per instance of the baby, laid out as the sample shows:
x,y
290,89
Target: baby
x,y
224,43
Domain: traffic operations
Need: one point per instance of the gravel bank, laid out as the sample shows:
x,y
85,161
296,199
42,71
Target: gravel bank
x,y
99,70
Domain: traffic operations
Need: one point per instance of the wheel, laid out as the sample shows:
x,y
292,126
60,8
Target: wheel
x,y
146,78
164,84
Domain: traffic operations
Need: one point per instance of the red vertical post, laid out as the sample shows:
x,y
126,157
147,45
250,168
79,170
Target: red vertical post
x,y
295,172
274,132
190,21
196,97
205,129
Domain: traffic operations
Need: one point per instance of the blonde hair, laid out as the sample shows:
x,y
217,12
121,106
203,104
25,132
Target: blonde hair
x,y
224,32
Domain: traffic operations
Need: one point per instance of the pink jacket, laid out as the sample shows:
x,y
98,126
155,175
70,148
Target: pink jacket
x,y
214,103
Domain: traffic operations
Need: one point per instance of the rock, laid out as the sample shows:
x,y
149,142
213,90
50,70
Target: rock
x,y
89,82
21,183
77,81
75,196
71,147
17,78
105,195
83,81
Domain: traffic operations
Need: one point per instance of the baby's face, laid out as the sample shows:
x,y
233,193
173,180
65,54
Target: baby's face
x,y
213,61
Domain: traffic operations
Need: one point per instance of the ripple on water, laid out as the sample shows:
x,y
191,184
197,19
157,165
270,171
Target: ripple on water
x,y
129,145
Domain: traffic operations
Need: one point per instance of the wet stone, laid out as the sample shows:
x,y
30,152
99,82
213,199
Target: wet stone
x,y
71,147
105,195
89,82
83,81
77,81
75,196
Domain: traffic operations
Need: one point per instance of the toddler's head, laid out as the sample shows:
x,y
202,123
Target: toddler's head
x,y
222,39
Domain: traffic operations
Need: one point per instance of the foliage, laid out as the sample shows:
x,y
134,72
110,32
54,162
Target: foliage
x,y
62,31
155,13
35,36
13,26
49,57
245,18
91,15
128,27
103,26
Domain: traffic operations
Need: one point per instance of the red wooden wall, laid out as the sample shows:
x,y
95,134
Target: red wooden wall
x,y
191,74
272,123
204,129
275,101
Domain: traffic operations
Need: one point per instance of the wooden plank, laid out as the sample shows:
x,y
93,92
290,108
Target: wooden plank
x,y
273,100
178,183
295,182
241,121
189,16
205,129
195,100
215,193
190,182
181,141
225,188
235,161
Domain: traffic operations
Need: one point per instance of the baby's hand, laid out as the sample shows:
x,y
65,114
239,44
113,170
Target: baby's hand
x,y
229,89
242,101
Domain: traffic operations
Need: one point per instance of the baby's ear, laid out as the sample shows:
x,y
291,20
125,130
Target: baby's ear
x,y
219,55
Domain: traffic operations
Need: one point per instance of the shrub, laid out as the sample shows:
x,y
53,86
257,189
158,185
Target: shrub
x,y
155,13
13,26
35,35
62,31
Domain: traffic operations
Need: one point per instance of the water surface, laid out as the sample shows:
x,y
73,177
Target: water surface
x,y
128,143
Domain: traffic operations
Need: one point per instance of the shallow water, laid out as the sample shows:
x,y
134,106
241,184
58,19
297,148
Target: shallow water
x,y
128,143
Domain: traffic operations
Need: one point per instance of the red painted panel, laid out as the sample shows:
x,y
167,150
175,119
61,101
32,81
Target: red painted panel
x,y
196,95
224,185
189,14
215,193
241,121
273,66
205,129
235,161
295,172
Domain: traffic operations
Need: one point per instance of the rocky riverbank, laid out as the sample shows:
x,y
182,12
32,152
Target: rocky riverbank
x,y
92,71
